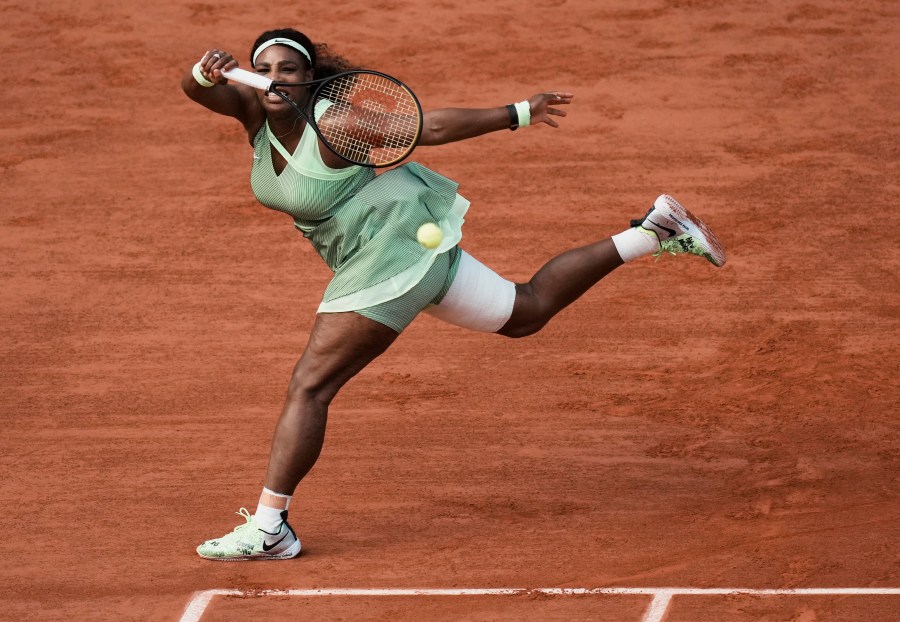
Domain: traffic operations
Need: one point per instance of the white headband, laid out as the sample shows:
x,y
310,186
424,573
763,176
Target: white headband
x,y
281,41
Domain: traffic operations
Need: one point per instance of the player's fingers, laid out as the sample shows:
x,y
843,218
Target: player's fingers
x,y
559,113
220,60
231,64
206,63
216,56
210,60
551,122
557,97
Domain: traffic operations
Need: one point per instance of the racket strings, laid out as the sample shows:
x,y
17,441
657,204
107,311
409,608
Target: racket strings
x,y
371,118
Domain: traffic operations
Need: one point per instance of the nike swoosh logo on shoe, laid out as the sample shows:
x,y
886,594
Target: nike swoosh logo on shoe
x,y
671,232
269,547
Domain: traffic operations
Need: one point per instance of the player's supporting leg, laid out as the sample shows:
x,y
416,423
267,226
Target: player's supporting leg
x,y
340,346
667,227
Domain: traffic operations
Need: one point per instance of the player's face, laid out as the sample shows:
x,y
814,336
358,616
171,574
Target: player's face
x,y
283,64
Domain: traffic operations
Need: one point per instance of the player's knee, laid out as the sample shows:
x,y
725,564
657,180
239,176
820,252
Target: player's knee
x,y
520,329
306,387
529,315
527,330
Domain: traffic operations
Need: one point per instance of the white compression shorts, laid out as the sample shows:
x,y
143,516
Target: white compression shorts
x,y
478,299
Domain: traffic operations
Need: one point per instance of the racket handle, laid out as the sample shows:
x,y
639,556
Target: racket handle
x,y
248,77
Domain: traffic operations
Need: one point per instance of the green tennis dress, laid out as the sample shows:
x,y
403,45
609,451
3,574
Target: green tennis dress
x,y
364,227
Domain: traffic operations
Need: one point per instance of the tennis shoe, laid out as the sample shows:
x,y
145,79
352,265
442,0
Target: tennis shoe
x,y
679,231
248,541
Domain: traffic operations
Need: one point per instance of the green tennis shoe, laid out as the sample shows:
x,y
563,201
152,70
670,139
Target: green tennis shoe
x,y
248,542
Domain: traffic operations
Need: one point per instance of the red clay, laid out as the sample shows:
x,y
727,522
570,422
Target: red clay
x,y
678,426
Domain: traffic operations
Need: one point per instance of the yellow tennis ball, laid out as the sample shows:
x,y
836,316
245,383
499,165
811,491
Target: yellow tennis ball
x,y
429,235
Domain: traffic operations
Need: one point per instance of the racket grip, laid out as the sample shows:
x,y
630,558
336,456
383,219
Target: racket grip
x,y
248,77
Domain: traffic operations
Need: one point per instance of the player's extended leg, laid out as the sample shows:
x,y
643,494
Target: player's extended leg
x,y
479,299
667,227
340,346
560,282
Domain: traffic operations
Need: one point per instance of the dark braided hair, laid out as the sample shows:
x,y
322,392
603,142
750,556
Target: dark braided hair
x,y
324,62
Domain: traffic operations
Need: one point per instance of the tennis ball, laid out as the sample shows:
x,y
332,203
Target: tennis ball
x,y
429,235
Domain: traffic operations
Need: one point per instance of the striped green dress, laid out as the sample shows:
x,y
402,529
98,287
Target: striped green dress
x,y
362,225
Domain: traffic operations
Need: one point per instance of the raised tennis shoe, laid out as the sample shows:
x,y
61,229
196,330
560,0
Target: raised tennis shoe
x,y
679,231
248,542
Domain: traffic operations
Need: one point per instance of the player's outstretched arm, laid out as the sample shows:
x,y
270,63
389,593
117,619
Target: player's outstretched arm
x,y
231,100
448,125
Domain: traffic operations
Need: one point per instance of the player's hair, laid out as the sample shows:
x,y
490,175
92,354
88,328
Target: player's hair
x,y
324,62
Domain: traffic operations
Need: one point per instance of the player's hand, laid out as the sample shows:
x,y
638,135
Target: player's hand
x,y
543,107
214,62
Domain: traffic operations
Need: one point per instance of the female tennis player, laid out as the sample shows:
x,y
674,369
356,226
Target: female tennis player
x,y
364,227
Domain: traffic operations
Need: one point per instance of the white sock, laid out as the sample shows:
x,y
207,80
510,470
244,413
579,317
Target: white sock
x,y
635,242
267,517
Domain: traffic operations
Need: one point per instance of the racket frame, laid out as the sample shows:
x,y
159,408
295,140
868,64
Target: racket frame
x,y
270,86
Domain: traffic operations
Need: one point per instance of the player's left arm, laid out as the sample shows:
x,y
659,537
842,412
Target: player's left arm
x,y
448,125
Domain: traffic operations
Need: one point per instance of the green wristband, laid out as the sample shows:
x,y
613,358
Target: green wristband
x,y
198,76
523,110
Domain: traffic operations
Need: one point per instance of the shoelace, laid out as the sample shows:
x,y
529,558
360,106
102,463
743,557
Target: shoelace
x,y
683,243
663,248
243,512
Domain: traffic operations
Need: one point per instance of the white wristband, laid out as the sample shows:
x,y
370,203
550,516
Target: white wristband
x,y
523,109
198,76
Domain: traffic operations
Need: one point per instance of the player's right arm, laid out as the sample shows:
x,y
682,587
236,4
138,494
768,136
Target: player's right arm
x,y
231,100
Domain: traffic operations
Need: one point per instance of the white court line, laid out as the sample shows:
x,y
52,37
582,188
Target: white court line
x,y
658,607
662,596
200,602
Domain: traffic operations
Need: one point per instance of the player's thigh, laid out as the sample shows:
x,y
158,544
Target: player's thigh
x,y
401,311
340,345
478,299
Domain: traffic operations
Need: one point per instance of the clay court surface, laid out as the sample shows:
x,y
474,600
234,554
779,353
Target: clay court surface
x,y
680,426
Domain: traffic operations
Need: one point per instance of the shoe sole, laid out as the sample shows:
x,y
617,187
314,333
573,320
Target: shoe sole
x,y
289,553
670,208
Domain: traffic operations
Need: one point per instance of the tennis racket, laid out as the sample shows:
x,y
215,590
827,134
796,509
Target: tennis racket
x,y
365,117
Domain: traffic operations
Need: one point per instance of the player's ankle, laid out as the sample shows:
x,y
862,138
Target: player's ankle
x,y
635,242
271,510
